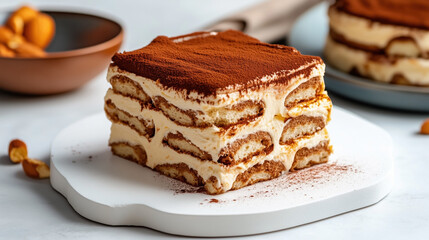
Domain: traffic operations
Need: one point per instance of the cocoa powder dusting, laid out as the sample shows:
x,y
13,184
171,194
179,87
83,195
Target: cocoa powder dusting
x,y
398,12
317,174
208,63
211,201
313,177
182,188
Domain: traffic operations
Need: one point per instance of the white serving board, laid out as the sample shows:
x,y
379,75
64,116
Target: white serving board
x,y
114,191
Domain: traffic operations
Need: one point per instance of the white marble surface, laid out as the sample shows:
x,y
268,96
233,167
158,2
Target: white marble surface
x,y
31,209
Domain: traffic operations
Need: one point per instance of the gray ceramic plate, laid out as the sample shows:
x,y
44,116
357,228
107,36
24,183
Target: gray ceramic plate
x,y
308,36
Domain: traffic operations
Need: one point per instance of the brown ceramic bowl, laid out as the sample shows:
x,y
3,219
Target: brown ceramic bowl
x,y
81,49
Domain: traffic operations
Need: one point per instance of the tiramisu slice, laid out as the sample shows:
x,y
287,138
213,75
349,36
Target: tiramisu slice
x,y
385,40
219,110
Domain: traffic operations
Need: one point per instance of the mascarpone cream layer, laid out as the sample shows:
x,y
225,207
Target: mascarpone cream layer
x,y
367,32
212,139
415,70
158,154
200,102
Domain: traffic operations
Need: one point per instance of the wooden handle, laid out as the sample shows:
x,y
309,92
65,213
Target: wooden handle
x,y
267,21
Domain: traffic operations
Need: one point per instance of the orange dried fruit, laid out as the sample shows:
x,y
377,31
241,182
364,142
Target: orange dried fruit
x,y
25,49
5,34
16,24
5,51
17,151
40,30
35,168
27,13
425,127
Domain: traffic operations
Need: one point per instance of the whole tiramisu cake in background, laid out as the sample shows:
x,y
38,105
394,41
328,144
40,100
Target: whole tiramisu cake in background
x,y
385,40
219,110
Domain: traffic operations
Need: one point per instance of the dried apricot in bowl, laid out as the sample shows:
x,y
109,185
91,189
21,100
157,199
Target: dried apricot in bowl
x,y
425,127
40,30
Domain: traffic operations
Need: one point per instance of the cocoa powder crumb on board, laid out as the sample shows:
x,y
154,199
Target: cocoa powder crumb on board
x,y
211,200
317,174
313,177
